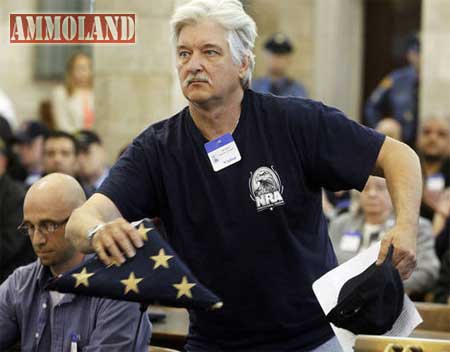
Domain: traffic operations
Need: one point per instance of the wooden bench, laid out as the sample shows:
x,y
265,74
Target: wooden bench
x,y
366,343
436,317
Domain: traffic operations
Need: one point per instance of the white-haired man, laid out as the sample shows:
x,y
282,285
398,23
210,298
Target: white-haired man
x,y
236,178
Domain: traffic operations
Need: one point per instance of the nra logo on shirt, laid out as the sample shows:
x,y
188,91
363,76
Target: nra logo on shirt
x,y
70,28
265,188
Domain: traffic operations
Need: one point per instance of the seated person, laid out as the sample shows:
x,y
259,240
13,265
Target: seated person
x,y
44,319
30,146
354,231
441,224
433,144
91,161
442,290
60,153
15,250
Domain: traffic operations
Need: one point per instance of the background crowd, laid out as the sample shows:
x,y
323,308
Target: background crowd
x,y
63,140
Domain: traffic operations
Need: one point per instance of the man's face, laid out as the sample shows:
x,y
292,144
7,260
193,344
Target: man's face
x,y
51,248
390,128
434,139
30,154
3,163
91,162
60,156
81,71
204,63
413,57
375,198
277,64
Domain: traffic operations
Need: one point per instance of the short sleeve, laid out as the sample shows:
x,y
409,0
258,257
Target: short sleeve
x,y
339,153
131,182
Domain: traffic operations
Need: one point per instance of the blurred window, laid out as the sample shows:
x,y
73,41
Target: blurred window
x,y
51,59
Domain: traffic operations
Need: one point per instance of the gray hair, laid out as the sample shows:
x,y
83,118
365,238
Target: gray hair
x,y
229,14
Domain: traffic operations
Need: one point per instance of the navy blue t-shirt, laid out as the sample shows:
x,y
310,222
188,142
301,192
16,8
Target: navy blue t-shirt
x,y
253,232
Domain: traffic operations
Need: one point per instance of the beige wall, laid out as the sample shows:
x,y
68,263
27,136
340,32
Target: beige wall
x,y
435,80
133,83
16,65
338,39
137,85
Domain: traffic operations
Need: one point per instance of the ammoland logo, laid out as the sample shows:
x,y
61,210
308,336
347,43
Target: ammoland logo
x,y
68,28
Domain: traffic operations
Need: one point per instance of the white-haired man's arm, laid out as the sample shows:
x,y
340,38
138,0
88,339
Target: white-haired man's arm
x,y
400,165
114,237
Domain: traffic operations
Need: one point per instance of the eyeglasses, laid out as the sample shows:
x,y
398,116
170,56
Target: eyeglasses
x,y
46,228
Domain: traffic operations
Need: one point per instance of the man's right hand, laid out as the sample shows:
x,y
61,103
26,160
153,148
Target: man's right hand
x,y
115,240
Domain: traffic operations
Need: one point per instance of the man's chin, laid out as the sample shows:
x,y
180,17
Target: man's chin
x,y
46,259
432,157
197,96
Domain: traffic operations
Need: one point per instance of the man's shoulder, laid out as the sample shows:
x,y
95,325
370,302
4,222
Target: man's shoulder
x,y
162,130
403,73
14,186
25,276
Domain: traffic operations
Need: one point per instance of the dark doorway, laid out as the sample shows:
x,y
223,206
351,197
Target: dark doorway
x,y
387,26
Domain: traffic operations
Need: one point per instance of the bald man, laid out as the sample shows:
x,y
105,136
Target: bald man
x,y
433,145
390,127
50,321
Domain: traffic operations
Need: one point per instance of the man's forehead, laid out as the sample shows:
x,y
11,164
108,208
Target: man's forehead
x,y
60,143
202,34
436,123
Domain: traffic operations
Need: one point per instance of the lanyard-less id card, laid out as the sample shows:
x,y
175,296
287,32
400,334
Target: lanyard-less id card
x,y
222,152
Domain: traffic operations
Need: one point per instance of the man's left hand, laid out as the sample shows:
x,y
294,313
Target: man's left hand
x,y
403,238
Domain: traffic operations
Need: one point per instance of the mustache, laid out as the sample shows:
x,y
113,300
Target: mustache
x,y
195,78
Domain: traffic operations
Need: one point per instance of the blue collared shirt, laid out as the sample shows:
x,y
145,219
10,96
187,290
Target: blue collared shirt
x,y
96,324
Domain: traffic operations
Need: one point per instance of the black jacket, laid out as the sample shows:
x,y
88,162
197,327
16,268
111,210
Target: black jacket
x,y
15,249
442,291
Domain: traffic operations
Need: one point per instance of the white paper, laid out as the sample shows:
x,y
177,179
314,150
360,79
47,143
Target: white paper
x,y
327,288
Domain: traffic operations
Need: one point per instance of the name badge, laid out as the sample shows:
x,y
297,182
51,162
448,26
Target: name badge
x,y
222,152
350,242
435,183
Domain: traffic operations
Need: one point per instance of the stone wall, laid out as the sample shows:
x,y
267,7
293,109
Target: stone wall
x,y
133,83
435,69
136,85
17,65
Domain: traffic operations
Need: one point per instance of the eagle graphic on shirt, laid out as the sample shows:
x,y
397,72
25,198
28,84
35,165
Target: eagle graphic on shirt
x,y
265,188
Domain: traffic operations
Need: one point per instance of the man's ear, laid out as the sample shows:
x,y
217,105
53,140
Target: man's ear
x,y
244,66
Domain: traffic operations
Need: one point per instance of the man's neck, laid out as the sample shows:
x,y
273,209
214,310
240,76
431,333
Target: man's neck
x,y
432,166
92,179
276,77
376,218
35,168
76,259
214,120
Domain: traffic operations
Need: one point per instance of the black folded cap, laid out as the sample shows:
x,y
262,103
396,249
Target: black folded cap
x,y
371,302
279,44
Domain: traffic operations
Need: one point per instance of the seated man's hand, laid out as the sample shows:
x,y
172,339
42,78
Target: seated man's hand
x,y
403,238
114,239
